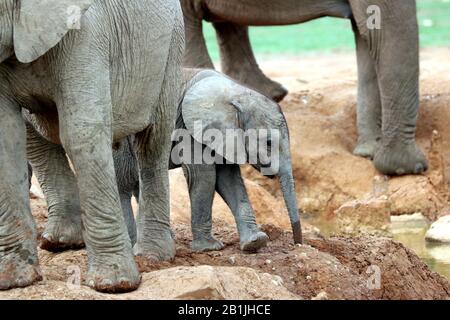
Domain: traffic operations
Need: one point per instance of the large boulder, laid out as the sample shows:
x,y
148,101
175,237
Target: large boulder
x,y
439,231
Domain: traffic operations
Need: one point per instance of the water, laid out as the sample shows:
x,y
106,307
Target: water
x,y
436,256
410,231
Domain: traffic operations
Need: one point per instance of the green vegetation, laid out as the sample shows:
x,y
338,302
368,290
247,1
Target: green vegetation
x,y
330,34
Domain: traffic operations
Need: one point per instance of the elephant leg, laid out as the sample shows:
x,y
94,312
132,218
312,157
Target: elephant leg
x,y
196,53
63,229
369,101
130,222
152,150
232,189
154,238
394,48
239,62
19,266
86,134
30,175
127,176
201,181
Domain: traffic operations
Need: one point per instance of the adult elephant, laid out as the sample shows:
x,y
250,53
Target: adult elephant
x,y
388,64
118,74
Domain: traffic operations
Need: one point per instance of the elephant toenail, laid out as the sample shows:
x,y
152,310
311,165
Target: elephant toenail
x,y
400,171
107,282
47,236
152,258
419,168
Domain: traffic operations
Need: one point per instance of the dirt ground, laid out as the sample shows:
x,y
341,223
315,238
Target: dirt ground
x,y
335,268
321,113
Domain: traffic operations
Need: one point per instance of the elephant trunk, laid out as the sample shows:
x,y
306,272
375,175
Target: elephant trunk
x,y
288,188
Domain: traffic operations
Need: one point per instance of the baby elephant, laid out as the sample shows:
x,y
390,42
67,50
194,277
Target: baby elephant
x,y
215,105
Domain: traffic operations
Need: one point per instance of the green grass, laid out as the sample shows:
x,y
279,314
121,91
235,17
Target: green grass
x,y
331,34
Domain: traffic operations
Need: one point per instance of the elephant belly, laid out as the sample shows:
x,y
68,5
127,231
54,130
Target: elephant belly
x,y
138,58
136,89
135,111
274,12
47,125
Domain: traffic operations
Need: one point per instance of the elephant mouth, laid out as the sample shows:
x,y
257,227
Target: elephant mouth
x,y
260,167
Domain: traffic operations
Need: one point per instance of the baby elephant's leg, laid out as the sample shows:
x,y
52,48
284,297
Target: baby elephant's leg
x,y
232,189
202,181
130,221
127,176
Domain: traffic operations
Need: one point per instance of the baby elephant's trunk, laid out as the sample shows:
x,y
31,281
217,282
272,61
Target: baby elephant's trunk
x,y
288,188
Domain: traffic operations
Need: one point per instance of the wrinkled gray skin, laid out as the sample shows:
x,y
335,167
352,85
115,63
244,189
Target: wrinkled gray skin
x,y
388,64
119,75
255,112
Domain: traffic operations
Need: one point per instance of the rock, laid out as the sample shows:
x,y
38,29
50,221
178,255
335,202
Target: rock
x,y
211,283
187,283
439,231
367,216
415,194
54,290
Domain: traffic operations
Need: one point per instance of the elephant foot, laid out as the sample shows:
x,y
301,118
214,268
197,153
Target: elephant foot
x,y
62,234
206,244
400,159
365,149
274,90
113,273
254,242
160,247
19,269
258,81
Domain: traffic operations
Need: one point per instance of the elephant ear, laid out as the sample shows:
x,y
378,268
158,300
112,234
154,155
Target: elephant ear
x,y
210,112
40,24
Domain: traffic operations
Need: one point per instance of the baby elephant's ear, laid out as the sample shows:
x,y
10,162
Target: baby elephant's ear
x,y
40,24
208,114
